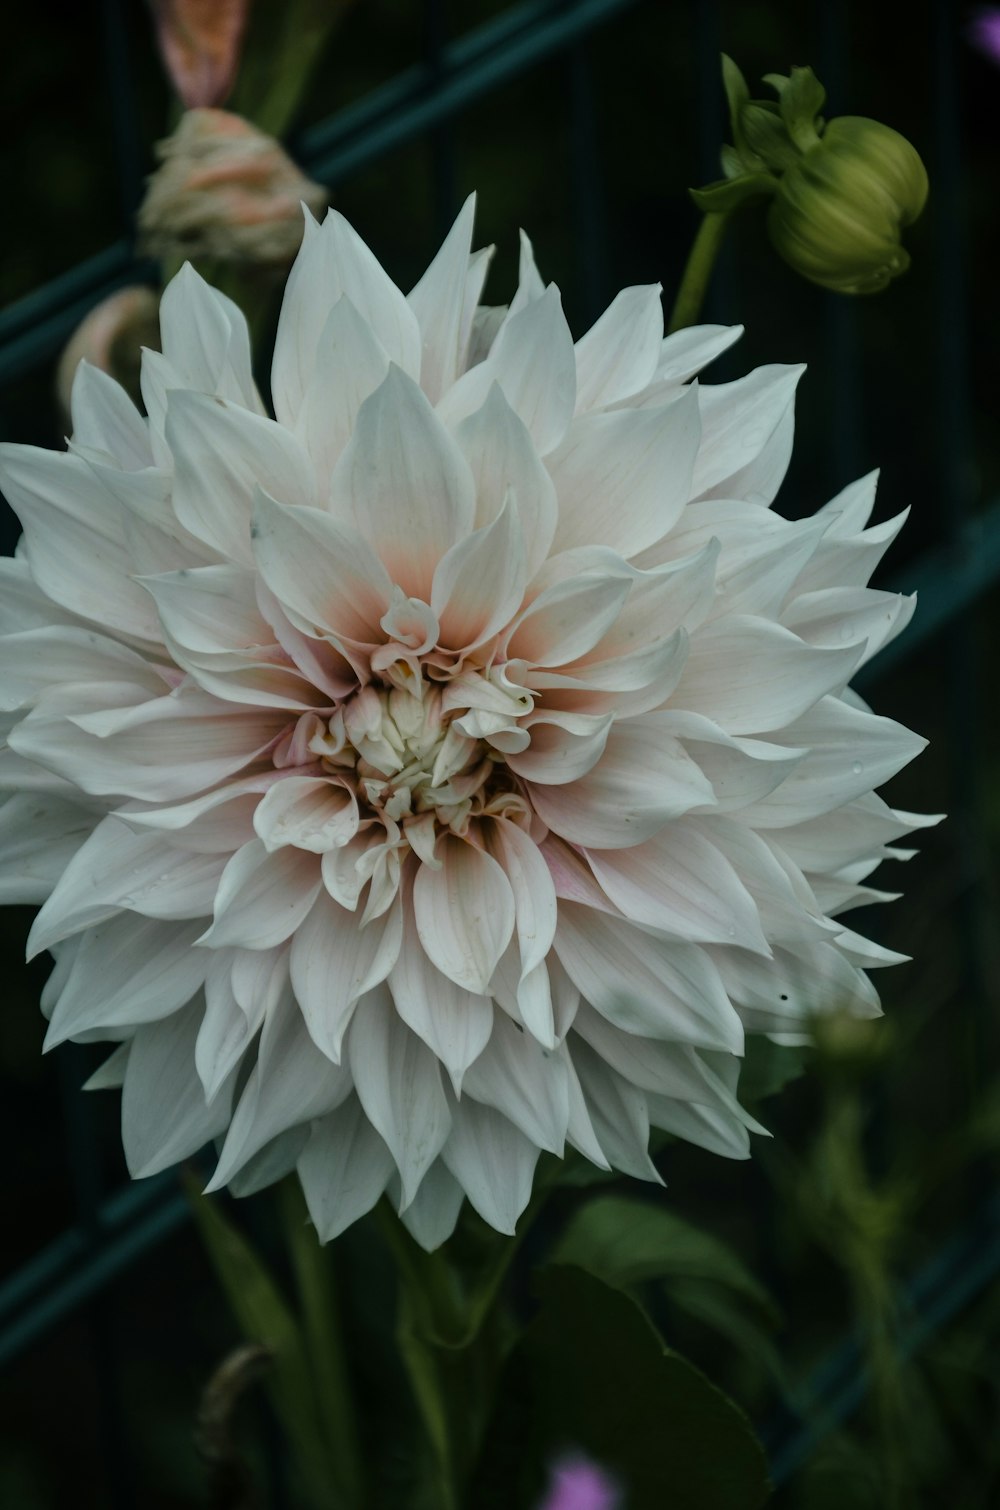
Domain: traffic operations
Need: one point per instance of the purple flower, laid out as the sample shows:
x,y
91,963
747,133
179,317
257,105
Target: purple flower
x,y
580,1485
983,31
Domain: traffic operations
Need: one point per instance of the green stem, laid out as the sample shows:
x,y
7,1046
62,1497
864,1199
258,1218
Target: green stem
x,y
425,1303
698,271
323,1335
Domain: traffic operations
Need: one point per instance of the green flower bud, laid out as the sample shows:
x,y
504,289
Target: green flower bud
x,y
838,211
840,192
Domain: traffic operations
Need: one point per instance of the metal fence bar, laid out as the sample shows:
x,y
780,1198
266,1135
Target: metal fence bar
x,y
81,1264
442,139
947,581
939,1290
585,177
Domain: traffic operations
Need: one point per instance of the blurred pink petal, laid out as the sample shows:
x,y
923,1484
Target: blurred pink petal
x,y
200,45
111,337
225,190
983,31
580,1485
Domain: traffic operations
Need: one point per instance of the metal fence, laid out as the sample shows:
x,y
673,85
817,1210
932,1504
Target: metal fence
x,y
113,1233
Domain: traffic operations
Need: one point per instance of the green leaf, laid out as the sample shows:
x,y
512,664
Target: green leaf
x,y
768,1067
324,1343
801,98
766,134
728,194
591,1373
263,1315
724,1313
624,1241
737,94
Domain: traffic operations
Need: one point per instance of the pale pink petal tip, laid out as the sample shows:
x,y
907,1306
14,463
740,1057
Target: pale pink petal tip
x,y
578,1484
983,31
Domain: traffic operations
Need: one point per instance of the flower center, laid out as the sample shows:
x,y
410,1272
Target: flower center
x,y
418,753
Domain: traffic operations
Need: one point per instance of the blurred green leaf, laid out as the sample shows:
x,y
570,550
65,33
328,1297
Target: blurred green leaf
x,y
766,134
624,1241
768,1067
284,42
591,1373
728,194
801,97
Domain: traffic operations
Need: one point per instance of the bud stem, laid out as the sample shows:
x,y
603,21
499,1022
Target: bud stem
x,y
698,271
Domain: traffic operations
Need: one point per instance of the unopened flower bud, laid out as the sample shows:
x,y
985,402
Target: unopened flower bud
x,y
200,42
849,1044
225,190
840,192
112,337
839,211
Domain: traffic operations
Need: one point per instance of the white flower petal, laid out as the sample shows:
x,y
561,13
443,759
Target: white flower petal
x,y
210,609
453,1022
310,812
431,1216
398,1081
847,615
289,1085
738,421
849,752
73,539
105,418
790,676
617,1114
334,963
524,1082
403,484
492,1161
567,619
619,354
679,882
502,457
226,1030
117,870
334,261
533,361
438,301
564,746
687,351
643,779
165,1117
206,339
478,584
350,364
127,971
157,751
623,478
655,987
262,897
322,572
464,913
534,895
39,835
222,455
344,1168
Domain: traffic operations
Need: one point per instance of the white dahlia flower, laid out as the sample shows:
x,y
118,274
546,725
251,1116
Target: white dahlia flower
x,y
456,765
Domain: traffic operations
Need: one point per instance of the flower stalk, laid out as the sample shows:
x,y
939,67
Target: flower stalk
x,y
698,270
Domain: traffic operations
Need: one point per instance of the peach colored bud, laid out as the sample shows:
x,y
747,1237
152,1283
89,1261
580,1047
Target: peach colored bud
x,y
112,337
200,44
225,190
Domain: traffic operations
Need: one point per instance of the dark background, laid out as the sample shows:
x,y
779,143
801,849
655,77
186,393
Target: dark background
x,y
592,150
